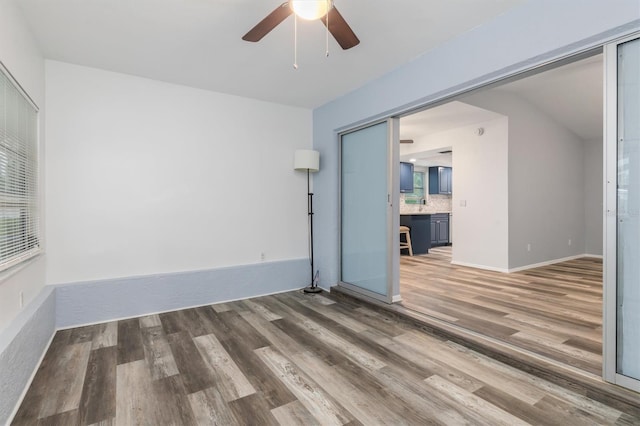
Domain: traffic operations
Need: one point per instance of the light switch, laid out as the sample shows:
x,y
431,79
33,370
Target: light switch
x,y
463,203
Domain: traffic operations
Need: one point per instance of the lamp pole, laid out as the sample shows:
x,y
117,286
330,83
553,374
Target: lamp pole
x,y
313,288
309,161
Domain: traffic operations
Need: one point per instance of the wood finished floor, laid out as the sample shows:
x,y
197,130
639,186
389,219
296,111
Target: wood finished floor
x,y
287,359
554,311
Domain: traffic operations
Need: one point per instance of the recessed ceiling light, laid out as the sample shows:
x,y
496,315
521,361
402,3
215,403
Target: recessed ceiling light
x,y
413,160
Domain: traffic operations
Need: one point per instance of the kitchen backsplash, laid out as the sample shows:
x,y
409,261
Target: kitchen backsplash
x,y
435,204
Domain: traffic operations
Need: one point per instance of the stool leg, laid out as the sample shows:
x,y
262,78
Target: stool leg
x,y
408,235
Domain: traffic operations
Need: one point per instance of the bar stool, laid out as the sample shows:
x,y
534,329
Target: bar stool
x,y
406,244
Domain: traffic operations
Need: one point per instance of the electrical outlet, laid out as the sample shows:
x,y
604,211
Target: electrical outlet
x,y
528,247
262,256
569,241
21,299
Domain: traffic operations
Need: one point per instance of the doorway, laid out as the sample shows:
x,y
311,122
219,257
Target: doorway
x,y
525,261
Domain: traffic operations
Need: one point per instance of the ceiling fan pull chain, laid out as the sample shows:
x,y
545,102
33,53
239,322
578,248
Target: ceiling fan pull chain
x,y
295,41
326,53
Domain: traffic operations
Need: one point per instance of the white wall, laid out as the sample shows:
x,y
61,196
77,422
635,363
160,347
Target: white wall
x,y
145,177
593,207
546,186
530,34
480,229
21,56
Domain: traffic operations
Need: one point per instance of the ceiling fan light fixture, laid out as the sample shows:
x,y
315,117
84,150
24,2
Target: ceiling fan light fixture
x,y
310,9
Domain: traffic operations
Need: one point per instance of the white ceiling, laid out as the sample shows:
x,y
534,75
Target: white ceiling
x,y
442,118
571,94
198,42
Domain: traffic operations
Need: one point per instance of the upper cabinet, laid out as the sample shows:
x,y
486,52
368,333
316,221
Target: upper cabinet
x,y
406,177
440,180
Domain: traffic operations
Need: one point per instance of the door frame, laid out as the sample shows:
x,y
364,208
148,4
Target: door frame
x,y
610,219
609,287
393,212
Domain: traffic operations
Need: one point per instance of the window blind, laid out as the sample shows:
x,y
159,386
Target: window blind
x,y
19,219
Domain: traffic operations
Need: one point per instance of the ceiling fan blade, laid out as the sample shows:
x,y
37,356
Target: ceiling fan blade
x,y
340,30
267,24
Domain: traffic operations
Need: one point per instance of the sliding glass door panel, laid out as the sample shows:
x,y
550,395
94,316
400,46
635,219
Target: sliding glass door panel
x,y
365,213
628,209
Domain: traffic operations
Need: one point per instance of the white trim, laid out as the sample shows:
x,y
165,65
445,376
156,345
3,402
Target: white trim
x,y
30,381
525,267
6,273
14,81
485,267
627,382
396,298
548,262
595,256
609,358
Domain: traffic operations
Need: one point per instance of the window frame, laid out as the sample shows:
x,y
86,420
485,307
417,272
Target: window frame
x,y
32,182
411,197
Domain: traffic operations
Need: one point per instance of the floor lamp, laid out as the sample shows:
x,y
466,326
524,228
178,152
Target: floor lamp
x,y
309,161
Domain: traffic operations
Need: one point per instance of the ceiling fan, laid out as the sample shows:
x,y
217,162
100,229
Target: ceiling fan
x,y
309,10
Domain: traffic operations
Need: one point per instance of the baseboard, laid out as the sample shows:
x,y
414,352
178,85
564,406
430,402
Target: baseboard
x,y
486,268
525,267
23,345
547,262
596,256
106,300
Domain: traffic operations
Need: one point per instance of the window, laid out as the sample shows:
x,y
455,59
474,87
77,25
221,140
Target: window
x,y
19,223
417,195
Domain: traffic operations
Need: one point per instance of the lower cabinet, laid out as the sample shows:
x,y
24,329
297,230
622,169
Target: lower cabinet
x,y
439,229
420,228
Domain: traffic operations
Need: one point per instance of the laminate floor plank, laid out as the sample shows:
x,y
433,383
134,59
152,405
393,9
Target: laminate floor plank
x,y
98,401
61,419
253,410
194,371
172,403
66,387
133,390
45,377
210,408
528,413
320,404
228,378
157,352
356,400
490,414
273,334
271,389
294,413
261,310
150,321
554,311
129,341
105,335
294,359
83,334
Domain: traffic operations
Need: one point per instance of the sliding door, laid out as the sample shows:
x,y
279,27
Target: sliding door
x,y
622,269
368,186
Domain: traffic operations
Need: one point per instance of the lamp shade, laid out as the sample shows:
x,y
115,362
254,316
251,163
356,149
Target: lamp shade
x,y
307,159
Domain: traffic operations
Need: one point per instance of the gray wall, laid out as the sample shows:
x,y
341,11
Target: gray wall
x,y
593,207
546,182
